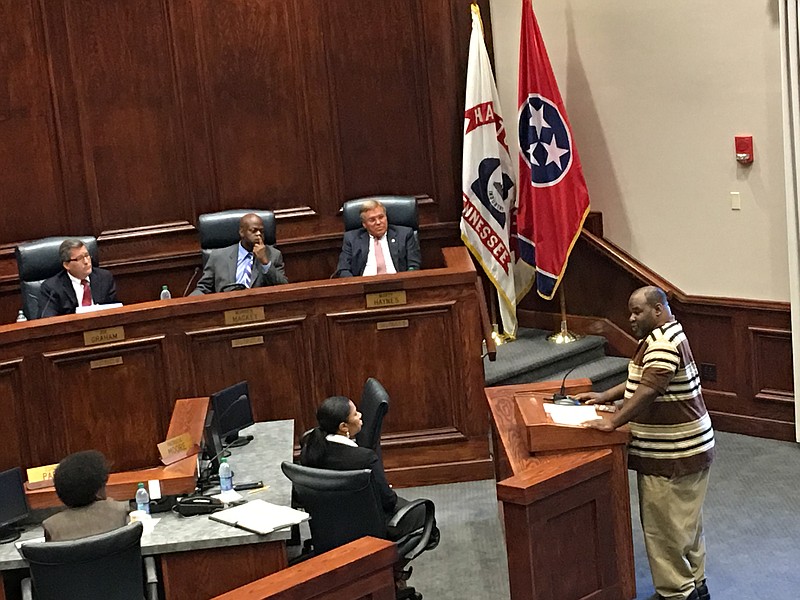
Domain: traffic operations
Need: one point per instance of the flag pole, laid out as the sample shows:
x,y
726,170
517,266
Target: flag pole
x,y
564,336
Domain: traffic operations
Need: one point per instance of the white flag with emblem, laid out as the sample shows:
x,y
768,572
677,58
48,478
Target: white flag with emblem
x,y
487,178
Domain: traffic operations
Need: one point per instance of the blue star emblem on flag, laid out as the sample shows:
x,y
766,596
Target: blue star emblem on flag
x,y
544,140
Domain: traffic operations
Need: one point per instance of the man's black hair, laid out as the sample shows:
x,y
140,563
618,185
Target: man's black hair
x,y
80,476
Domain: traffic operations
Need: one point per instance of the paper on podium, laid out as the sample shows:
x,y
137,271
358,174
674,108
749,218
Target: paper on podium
x,y
570,415
79,310
259,517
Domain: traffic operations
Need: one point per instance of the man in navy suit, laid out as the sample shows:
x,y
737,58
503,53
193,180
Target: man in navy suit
x,y
378,247
77,285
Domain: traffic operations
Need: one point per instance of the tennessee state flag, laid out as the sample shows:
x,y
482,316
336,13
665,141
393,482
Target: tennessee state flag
x,y
487,178
553,200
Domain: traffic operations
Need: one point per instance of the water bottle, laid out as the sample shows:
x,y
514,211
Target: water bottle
x,y
225,475
165,295
21,316
142,499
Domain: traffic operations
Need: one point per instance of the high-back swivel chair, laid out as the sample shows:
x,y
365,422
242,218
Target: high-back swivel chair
x,y
400,210
39,260
345,506
107,566
373,408
221,229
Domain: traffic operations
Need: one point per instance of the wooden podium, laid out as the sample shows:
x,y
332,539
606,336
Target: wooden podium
x,y
565,500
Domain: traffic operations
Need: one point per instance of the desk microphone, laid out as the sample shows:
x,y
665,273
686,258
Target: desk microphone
x,y
191,279
46,305
562,395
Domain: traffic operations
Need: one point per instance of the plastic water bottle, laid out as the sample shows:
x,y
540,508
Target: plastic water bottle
x,y
21,316
142,499
165,295
225,475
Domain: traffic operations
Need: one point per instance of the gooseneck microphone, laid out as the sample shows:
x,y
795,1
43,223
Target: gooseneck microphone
x,y
562,394
191,279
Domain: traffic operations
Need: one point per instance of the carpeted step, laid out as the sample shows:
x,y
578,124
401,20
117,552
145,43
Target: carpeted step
x,y
605,372
532,358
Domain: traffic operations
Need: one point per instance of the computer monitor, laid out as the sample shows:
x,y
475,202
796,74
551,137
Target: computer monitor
x,y
233,413
13,503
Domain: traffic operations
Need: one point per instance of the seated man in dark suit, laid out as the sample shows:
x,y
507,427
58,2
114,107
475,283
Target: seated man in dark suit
x,y
80,481
249,264
378,247
77,285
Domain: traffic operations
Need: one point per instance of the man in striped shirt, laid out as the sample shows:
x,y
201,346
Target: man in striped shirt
x,y
672,445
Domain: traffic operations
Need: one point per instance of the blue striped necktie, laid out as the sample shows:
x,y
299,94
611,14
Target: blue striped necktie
x,y
244,277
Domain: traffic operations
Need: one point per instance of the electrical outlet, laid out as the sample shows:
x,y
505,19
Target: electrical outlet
x,y
708,372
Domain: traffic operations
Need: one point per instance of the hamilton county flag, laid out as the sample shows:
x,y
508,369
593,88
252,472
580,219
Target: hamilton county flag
x,y
553,200
487,178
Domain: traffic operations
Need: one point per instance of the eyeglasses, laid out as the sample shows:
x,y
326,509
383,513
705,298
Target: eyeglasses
x,y
80,257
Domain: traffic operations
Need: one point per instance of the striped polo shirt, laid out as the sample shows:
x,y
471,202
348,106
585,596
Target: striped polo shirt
x,y
673,436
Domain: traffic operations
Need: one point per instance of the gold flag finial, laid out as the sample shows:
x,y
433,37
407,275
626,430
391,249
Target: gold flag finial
x,y
476,10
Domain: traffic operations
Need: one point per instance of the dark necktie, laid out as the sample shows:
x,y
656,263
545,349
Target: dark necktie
x,y
87,293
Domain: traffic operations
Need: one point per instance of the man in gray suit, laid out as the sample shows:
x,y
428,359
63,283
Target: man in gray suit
x,y
250,263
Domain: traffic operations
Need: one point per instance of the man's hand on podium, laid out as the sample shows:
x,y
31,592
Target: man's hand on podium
x,y
589,397
600,424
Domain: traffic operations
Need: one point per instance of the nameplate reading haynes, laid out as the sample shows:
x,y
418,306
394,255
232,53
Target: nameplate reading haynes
x,y
244,315
386,299
103,336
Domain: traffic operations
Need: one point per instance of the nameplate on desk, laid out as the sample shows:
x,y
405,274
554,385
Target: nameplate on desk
x,y
244,315
105,362
39,477
382,299
103,336
397,324
177,448
256,340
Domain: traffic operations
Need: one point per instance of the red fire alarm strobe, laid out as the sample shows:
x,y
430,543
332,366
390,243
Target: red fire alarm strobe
x,y
744,149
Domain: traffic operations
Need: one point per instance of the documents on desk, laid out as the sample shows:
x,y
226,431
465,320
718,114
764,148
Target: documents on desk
x,y
258,516
570,415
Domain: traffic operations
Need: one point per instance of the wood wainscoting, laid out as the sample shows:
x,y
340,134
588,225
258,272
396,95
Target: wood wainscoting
x,y
743,348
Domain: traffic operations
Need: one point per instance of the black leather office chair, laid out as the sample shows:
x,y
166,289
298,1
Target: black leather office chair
x,y
99,567
373,407
345,506
221,229
39,260
400,210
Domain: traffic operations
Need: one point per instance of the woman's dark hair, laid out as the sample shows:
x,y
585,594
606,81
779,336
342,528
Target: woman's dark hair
x,y
331,413
80,476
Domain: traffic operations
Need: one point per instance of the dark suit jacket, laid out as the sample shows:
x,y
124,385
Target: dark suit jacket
x,y
220,271
57,297
339,457
403,247
75,523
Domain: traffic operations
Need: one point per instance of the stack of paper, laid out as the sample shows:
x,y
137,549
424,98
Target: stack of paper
x,y
259,516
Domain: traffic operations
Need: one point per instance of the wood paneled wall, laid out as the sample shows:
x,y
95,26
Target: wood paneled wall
x,y
126,119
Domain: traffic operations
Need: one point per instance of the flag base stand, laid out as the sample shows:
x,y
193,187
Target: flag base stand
x,y
500,338
565,336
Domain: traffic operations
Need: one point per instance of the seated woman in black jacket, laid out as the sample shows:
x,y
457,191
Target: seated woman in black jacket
x,y
330,445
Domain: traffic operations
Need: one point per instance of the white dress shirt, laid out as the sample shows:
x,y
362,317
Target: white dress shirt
x,y
78,287
372,263
340,439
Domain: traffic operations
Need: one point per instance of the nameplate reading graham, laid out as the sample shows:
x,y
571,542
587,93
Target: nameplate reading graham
x,y
398,324
103,336
382,299
244,315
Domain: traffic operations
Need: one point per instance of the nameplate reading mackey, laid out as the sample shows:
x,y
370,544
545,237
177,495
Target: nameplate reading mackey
x,y
174,449
244,315
103,336
386,299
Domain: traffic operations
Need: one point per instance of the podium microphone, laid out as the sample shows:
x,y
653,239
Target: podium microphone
x,y
562,395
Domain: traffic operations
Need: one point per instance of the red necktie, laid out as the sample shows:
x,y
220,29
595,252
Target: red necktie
x,y
380,261
87,293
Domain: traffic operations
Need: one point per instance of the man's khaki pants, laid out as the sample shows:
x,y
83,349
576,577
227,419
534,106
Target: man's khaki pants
x,y
672,519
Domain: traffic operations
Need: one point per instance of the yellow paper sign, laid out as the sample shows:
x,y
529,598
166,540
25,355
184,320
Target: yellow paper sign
x,y
45,473
176,448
